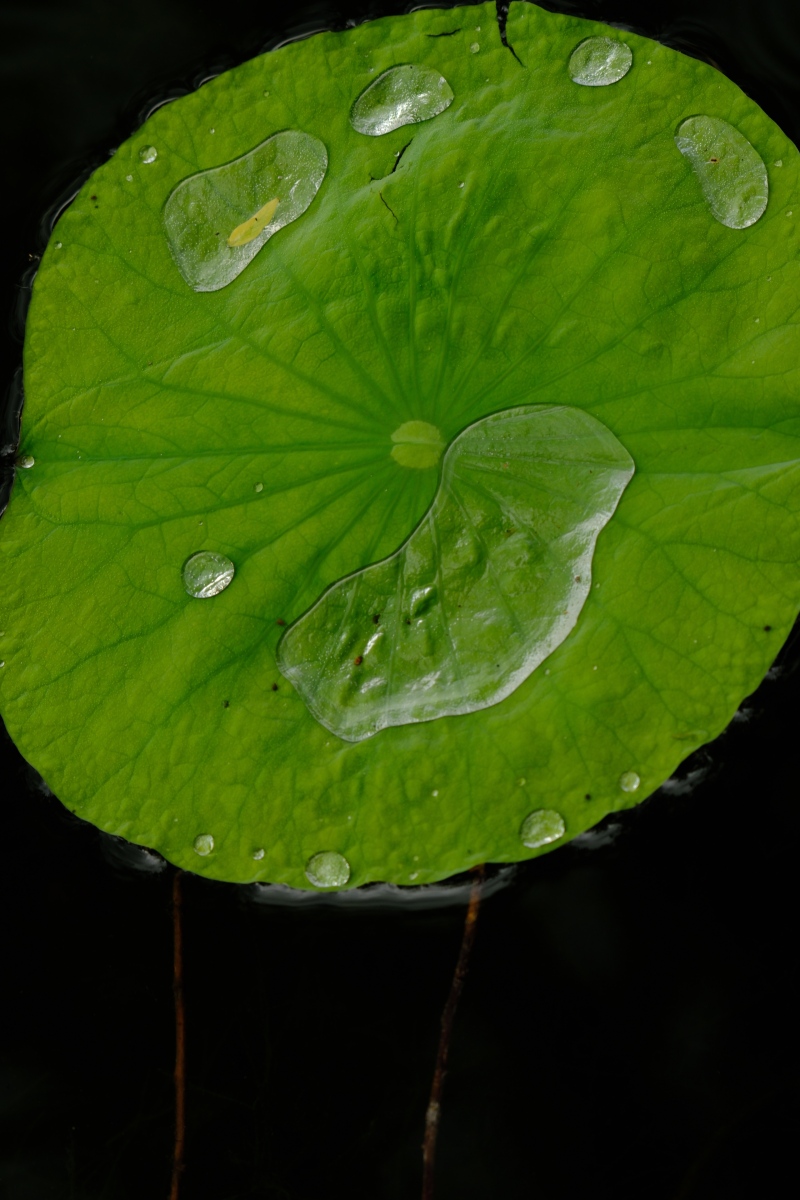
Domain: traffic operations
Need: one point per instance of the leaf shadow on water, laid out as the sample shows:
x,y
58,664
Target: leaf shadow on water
x,y
628,1020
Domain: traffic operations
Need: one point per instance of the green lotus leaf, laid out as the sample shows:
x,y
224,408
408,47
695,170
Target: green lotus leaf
x,y
538,244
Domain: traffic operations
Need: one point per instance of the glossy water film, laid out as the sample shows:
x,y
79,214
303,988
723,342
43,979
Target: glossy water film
x,y
487,586
218,220
207,574
600,61
731,172
403,95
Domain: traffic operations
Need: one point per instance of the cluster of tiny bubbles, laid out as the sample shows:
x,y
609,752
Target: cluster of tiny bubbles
x,y
207,574
258,854
328,869
629,781
599,61
541,827
26,461
148,154
203,844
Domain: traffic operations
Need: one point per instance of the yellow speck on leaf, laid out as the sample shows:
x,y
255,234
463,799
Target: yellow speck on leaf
x,y
253,226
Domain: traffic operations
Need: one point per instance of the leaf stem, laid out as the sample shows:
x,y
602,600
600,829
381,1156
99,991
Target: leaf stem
x,y
448,1015
180,1039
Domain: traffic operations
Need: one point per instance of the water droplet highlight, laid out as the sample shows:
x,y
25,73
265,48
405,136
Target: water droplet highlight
x,y
218,220
59,245
417,444
258,487
474,48
328,869
629,781
541,827
26,462
731,172
258,854
207,574
203,844
400,96
148,154
600,61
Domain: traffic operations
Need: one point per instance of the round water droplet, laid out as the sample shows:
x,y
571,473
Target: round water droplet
x,y
2,664
258,487
148,154
629,782
207,574
541,827
26,461
59,245
129,178
258,854
474,48
600,61
203,844
402,95
328,869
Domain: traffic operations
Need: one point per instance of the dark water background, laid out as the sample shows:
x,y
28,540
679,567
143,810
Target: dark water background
x,y
629,1026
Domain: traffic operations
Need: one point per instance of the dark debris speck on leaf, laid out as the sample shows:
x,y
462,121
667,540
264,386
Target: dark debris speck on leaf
x,y
358,660
274,687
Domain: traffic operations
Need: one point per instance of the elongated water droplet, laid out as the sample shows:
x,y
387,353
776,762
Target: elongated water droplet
x,y
26,462
218,220
148,154
487,585
203,844
328,869
400,96
541,827
731,172
600,61
207,574
629,781
417,444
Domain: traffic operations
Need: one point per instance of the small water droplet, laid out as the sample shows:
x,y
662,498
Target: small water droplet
x,y
521,781
212,131
402,95
203,844
474,48
59,245
129,178
258,487
2,664
328,869
258,854
207,574
789,213
435,792
148,154
629,781
414,875
778,162
26,461
541,827
461,184
600,61
732,175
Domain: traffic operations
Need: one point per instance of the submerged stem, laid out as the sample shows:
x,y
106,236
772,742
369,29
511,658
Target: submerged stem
x,y
180,1040
448,1014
